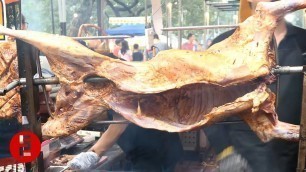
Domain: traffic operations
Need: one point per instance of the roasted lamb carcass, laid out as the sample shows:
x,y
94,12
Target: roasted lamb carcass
x,y
178,90
10,103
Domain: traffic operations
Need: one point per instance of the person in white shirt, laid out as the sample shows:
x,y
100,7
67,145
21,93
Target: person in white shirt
x,y
125,52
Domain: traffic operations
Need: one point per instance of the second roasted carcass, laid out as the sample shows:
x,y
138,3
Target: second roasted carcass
x,y
176,91
10,103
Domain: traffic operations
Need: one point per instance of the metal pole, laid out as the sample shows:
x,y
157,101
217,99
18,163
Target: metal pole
x,y
103,15
101,37
62,15
302,146
198,27
99,13
29,94
204,18
52,17
169,6
180,23
146,11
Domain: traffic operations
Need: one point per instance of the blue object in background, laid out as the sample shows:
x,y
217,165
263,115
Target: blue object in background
x,y
133,30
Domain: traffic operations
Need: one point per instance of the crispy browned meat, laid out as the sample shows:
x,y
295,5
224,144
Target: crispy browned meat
x,y
10,103
178,90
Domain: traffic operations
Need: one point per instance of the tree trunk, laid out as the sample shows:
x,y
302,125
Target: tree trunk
x,y
157,16
84,14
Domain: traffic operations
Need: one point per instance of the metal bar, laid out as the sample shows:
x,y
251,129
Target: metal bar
x,y
29,94
198,27
275,49
288,69
9,87
180,24
99,14
43,85
146,13
52,16
55,80
42,81
128,122
229,122
45,81
112,122
302,146
101,37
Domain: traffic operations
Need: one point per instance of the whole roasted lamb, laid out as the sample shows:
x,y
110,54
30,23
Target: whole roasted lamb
x,y
178,90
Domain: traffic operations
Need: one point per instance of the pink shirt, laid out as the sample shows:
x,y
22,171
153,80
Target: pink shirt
x,y
116,50
187,46
127,56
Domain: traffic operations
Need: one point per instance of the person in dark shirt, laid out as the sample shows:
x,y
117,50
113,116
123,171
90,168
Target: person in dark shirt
x,y
137,55
276,155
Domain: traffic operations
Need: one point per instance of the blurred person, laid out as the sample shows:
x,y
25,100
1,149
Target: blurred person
x,y
24,23
137,54
95,44
190,44
23,26
149,150
125,52
276,155
117,47
158,45
208,42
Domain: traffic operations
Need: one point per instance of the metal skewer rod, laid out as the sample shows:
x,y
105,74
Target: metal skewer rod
x,y
198,27
289,69
112,122
101,37
55,80
128,122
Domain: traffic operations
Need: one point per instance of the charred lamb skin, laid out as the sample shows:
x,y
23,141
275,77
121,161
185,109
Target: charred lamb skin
x,y
178,90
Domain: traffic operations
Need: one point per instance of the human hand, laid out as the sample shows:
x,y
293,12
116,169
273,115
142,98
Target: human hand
x,y
84,161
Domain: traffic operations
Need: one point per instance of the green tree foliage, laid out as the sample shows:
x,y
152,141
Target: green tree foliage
x,y
85,11
38,15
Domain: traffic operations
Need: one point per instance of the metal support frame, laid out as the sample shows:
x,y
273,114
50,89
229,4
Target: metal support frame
x,y
99,14
29,95
52,16
301,164
198,27
101,37
181,29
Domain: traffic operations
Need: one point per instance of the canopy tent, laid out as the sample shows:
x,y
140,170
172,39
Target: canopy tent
x,y
133,30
